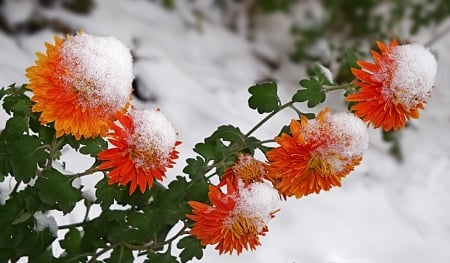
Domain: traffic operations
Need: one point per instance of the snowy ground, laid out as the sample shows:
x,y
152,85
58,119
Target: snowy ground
x,y
199,73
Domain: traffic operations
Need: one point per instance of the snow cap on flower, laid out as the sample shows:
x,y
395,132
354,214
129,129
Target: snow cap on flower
x,y
100,70
317,153
394,87
80,84
234,220
258,199
414,76
144,146
153,134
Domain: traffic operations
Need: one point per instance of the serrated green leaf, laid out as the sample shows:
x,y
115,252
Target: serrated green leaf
x,y
207,150
16,101
106,194
191,248
161,258
25,148
55,189
312,93
264,97
195,168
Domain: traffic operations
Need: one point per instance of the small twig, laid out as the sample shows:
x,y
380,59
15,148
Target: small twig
x,y
16,187
345,86
101,252
71,225
268,117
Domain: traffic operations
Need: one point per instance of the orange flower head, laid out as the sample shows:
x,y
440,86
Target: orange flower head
x,y
246,168
145,144
395,86
235,220
317,153
80,83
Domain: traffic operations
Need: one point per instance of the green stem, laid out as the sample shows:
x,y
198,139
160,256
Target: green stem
x,y
52,150
266,141
158,245
346,86
101,252
268,117
71,225
88,171
16,187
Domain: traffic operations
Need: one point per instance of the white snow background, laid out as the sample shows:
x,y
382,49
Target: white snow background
x,y
199,72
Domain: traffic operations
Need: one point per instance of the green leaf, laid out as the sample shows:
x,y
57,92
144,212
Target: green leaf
x,y
161,258
312,93
228,133
317,72
93,146
22,217
195,168
25,148
264,97
191,248
71,242
120,254
106,194
15,127
16,101
55,189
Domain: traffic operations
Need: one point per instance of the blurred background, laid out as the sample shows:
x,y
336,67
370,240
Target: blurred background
x,y
195,59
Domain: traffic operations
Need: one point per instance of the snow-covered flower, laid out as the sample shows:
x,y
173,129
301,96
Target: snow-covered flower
x,y
144,146
234,220
317,153
246,168
395,86
80,83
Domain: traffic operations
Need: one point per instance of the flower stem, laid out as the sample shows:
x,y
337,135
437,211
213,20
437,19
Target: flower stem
x,y
346,86
268,117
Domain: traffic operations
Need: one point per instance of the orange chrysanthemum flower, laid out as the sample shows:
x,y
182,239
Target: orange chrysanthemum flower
x,y
144,147
395,86
235,220
80,83
246,168
317,153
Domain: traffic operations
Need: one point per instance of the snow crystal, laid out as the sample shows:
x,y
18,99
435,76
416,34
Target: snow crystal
x,y
153,132
100,69
43,222
352,133
258,199
326,72
414,75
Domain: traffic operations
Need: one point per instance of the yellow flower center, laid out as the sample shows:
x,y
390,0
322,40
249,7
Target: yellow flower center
x,y
244,225
320,165
146,159
249,170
